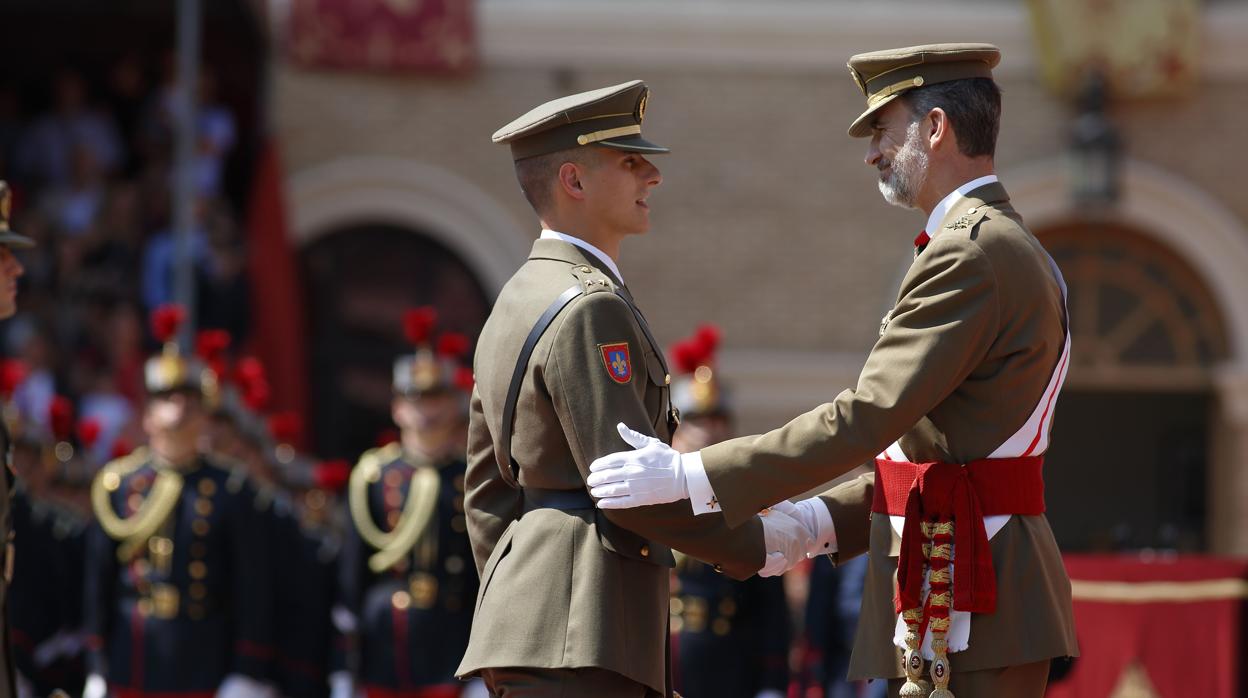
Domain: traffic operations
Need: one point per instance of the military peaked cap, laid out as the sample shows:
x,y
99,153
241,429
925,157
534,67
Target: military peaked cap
x,y
609,117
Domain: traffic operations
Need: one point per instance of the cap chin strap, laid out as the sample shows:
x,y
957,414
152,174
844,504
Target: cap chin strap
x,y
587,138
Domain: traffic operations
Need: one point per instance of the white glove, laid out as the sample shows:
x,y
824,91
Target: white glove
x,y
785,538
652,474
814,514
475,688
96,687
240,686
341,685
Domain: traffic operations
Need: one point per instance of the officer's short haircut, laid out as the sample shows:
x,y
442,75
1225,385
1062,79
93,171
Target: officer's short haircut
x,y
537,175
973,106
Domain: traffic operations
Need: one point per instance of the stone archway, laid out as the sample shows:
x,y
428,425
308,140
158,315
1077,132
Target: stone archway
x,y
411,195
1200,231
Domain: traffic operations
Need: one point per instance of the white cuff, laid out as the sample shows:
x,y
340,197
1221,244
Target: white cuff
x,y
825,530
701,496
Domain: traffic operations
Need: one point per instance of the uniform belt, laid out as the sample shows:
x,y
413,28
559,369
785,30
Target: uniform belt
x,y
563,500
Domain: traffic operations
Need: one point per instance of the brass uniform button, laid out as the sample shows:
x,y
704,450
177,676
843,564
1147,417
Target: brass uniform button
x,y
111,481
198,591
401,600
721,626
207,487
198,569
667,379
718,568
645,550
203,507
200,527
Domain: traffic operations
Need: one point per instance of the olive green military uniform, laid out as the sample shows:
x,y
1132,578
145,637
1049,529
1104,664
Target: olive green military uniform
x,y
962,360
12,240
576,597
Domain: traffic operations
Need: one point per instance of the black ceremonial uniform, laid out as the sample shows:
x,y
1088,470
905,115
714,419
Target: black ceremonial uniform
x,y
174,612
412,597
730,638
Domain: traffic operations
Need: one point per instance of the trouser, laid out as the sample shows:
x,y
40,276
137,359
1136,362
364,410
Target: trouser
x,y
525,682
1023,681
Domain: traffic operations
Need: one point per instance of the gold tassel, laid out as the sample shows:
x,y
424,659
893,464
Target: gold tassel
x,y
915,686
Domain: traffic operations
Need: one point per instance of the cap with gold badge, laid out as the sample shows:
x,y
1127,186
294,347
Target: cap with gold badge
x,y
885,75
8,238
610,117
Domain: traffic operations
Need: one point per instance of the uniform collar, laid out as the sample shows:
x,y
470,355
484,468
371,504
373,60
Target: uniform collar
x,y
596,255
936,221
565,248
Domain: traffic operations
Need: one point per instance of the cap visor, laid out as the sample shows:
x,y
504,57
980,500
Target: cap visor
x,y
635,144
861,128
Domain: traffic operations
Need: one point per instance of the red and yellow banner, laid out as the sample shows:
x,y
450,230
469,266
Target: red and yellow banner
x,y
435,36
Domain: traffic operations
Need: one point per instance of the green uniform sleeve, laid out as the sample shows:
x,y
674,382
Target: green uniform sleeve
x,y
590,401
941,328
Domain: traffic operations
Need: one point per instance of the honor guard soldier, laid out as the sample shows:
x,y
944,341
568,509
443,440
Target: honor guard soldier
x,y
46,613
955,405
715,616
575,602
407,579
178,574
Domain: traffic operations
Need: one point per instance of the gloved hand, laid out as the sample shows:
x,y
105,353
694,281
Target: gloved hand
x,y
814,515
240,686
341,685
475,688
96,687
785,538
651,474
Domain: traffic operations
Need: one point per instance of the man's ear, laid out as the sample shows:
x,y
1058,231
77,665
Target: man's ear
x,y
938,128
570,180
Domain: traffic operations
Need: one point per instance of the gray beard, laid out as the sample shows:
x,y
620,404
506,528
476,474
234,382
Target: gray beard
x,y
908,172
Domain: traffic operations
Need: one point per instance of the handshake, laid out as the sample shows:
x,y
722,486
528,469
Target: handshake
x,y
655,473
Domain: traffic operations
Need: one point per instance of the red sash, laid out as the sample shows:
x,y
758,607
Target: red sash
x,y
964,495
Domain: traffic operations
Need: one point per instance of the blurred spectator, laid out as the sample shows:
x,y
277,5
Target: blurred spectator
x,y
72,208
217,136
45,152
33,397
159,256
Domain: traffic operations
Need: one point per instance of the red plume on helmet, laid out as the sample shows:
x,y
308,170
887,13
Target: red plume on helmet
x,y
452,345
253,383
166,320
210,345
89,432
418,324
707,338
286,427
698,350
464,379
12,373
61,418
332,475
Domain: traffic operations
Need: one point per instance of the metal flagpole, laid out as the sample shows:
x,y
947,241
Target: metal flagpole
x,y
184,194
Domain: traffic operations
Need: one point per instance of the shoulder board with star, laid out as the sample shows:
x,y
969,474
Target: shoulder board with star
x,y
592,280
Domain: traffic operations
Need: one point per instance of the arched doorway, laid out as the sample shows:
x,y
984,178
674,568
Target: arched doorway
x,y
359,280
1130,461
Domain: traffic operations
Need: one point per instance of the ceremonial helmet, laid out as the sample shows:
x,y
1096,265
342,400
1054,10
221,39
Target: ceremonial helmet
x,y
436,366
696,389
172,370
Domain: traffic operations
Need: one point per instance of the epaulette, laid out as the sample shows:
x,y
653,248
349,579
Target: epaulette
x,y
592,280
372,460
120,467
969,219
